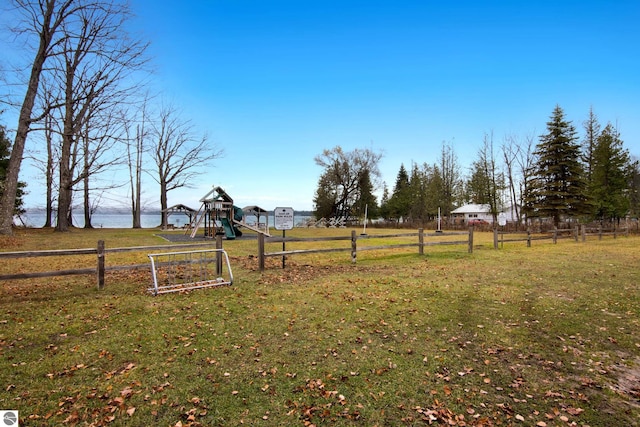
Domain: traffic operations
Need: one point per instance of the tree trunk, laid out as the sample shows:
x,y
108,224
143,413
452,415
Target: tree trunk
x,y
7,201
136,184
135,201
137,220
135,211
163,204
87,203
49,172
64,204
65,190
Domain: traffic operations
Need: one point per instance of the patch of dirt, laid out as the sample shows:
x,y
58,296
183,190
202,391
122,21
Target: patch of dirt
x,y
628,381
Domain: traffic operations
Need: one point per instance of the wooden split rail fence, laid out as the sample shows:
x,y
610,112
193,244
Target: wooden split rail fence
x,y
354,248
577,233
100,252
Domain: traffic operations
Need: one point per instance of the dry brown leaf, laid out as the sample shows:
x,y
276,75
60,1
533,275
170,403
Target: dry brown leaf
x,y
574,411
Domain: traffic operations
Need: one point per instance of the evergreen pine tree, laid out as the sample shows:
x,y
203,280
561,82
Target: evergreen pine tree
x,y
591,132
609,176
634,188
400,201
418,195
325,199
366,198
385,209
557,188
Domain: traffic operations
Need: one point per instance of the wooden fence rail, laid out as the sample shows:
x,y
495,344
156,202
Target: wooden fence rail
x,y
353,248
559,233
100,252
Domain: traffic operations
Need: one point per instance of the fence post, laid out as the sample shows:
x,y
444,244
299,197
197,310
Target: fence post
x,y
600,232
354,248
583,229
100,269
575,233
471,239
615,232
421,241
261,252
219,254
495,238
528,237
555,234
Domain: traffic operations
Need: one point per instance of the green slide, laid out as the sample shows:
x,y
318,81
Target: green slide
x,y
228,229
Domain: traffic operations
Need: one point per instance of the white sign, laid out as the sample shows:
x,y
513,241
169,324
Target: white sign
x,y
283,218
502,219
9,418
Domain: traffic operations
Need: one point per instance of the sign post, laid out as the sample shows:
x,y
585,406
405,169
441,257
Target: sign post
x,y
283,220
502,221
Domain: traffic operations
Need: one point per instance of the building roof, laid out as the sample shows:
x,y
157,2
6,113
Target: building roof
x,y
472,208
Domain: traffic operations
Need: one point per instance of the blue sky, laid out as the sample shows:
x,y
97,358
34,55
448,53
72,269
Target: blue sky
x,y
275,82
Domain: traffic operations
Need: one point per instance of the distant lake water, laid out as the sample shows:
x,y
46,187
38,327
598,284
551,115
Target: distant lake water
x,y
36,219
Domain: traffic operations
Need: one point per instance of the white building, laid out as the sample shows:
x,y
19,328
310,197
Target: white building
x,y
480,213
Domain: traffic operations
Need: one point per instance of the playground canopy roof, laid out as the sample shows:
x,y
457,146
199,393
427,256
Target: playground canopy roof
x,y
217,193
179,208
254,210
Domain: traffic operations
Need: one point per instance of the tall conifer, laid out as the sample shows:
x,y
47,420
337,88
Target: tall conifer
x,y
610,176
557,184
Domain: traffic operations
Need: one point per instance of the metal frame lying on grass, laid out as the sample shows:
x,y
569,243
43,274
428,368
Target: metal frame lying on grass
x,y
181,271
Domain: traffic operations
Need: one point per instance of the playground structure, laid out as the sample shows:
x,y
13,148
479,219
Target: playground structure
x,y
218,215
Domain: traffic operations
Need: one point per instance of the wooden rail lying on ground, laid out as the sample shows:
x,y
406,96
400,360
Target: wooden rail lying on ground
x,y
100,251
262,255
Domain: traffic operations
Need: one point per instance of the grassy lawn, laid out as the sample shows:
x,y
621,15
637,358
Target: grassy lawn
x,y
546,336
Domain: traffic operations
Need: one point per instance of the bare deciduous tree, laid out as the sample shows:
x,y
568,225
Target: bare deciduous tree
x,y
451,178
525,161
341,177
486,183
101,136
83,48
39,22
510,151
136,134
179,155
96,58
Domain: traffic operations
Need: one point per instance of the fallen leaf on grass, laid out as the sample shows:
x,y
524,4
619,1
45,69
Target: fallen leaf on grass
x,y
574,411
